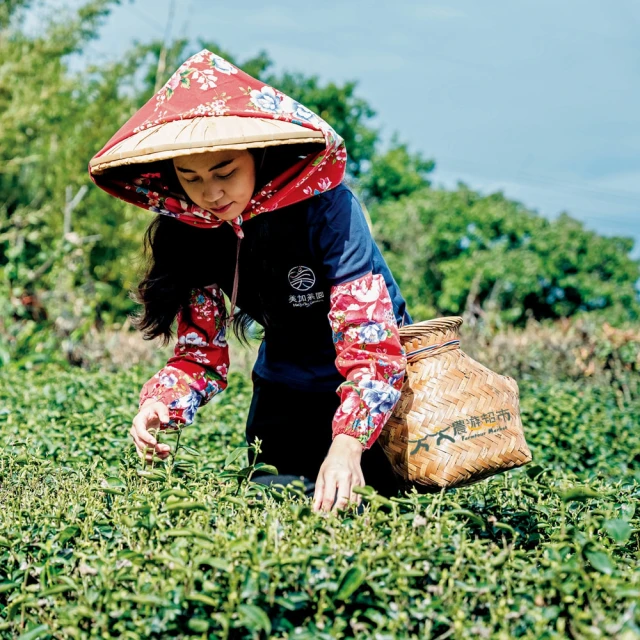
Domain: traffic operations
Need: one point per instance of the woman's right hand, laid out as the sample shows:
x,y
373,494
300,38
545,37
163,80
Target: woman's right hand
x,y
152,415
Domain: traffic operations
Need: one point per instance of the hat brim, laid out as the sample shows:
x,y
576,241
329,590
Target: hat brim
x,y
199,135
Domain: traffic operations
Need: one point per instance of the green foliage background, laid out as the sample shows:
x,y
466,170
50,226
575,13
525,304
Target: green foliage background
x,y
451,251
94,545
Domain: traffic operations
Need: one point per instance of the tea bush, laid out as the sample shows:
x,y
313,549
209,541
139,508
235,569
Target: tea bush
x,y
94,545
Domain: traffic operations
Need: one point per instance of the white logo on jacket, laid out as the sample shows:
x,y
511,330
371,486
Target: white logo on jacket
x,y
301,278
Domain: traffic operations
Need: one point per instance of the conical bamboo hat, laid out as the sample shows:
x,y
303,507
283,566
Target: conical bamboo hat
x,y
198,135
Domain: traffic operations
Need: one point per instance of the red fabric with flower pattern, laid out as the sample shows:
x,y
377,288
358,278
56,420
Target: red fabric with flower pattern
x,y
198,369
369,355
207,85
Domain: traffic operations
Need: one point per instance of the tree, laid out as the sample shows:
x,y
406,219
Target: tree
x,y
49,122
453,248
395,173
10,11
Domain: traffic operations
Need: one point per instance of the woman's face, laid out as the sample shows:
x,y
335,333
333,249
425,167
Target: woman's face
x,y
221,182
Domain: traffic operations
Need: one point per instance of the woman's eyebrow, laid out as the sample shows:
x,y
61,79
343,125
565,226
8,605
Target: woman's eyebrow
x,y
216,166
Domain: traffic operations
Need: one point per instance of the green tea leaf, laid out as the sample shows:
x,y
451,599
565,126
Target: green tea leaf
x,y
579,494
533,471
265,468
254,618
185,505
619,530
115,483
474,517
68,533
198,625
37,633
203,599
187,533
366,490
190,450
215,563
8,586
349,582
234,455
234,500
112,492
59,588
600,561
147,598
178,493
152,475
505,527
627,510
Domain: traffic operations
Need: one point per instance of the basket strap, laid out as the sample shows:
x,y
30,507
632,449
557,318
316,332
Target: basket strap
x,y
432,347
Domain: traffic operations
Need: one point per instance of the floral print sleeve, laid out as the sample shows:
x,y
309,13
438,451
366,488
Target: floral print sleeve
x,y
198,369
369,355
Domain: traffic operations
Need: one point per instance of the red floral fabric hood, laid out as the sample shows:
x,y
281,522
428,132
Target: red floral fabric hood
x,y
208,85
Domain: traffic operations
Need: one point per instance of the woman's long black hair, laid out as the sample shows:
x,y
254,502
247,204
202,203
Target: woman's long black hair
x,y
170,277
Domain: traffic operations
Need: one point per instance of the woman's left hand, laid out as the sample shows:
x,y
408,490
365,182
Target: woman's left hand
x,y
340,471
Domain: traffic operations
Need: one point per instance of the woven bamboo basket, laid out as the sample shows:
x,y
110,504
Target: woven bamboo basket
x,y
456,422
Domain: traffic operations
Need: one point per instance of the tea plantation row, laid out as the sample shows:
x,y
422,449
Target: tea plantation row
x,y
93,545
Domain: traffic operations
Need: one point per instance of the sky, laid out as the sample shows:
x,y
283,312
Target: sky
x,y
539,99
